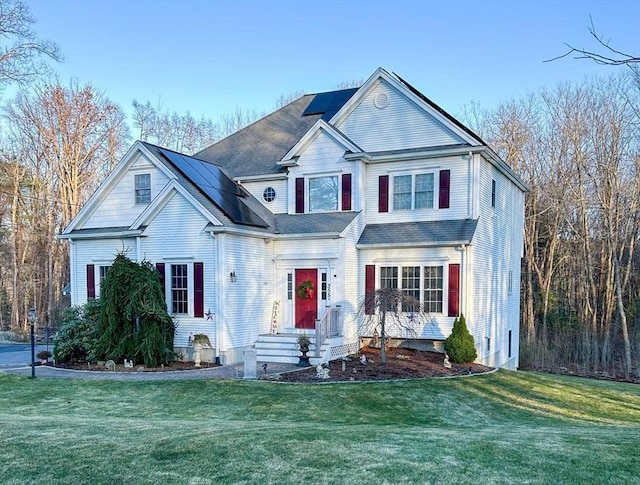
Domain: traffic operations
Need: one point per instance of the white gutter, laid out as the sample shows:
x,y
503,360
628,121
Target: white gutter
x,y
413,245
102,235
260,178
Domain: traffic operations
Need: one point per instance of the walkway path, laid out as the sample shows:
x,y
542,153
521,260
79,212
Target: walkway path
x,y
234,371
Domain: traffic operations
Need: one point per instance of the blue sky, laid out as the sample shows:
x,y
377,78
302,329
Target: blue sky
x,y
209,57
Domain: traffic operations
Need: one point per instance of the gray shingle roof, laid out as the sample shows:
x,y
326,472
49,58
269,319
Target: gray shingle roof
x,y
416,233
328,223
256,149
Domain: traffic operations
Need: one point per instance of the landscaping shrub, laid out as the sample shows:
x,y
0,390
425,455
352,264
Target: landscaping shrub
x,y
134,323
459,345
77,337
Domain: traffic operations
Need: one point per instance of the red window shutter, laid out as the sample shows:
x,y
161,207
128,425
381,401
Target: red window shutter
x,y
346,192
445,182
454,290
198,290
160,270
369,289
383,193
299,195
91,282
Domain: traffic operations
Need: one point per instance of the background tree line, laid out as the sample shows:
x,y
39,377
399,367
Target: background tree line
x,y
576,146
578,149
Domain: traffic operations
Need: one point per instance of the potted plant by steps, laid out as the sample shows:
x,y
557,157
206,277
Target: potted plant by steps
x,y
44,355
303,345
199,341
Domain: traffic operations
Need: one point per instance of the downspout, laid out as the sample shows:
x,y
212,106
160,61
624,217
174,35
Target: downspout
x,y
218,296
470,193
138,249
72,276
463,277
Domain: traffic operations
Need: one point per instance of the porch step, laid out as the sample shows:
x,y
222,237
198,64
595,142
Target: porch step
x,y
282,348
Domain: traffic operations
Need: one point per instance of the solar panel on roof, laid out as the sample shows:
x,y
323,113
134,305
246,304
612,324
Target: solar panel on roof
x,y
219,188
329,102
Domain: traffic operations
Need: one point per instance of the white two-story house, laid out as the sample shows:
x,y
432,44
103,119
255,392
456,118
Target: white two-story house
x,y
284,226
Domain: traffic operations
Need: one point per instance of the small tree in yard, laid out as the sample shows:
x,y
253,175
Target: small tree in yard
x,y
389,308
134,323
459,345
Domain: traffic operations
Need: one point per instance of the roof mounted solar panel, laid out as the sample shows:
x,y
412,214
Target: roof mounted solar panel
x,y
331,102
216,186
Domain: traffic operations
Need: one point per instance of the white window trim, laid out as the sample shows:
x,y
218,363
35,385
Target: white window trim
x,y
167,289
307,191
135,202
413,173
444,262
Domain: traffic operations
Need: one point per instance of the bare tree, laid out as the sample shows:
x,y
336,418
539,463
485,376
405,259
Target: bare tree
x,y
61,143
390,312
22,55
609,56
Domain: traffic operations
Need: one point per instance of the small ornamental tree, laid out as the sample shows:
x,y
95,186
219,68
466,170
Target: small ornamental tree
x,y
389,309
459,345
134,323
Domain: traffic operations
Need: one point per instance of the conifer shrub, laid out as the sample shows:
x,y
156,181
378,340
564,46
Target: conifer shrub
x,y
134,323
459,345
77,336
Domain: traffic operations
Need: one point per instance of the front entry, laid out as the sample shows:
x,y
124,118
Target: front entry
x,y
306,298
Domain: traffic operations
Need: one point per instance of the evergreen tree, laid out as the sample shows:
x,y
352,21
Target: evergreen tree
x,y
134,322
459,345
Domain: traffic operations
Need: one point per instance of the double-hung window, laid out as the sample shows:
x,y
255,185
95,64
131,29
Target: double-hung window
x,y
414,191
179,289
323,194
411,288
143,188
433,289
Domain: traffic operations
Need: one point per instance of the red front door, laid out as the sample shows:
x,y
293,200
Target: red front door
x,y
306,296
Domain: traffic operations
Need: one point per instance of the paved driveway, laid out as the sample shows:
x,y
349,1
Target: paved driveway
x,y
18,354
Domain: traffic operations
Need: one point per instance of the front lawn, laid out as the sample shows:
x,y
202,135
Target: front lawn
x,y
505,427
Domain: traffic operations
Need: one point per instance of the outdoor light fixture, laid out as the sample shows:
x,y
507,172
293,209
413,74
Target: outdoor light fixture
x,y
233,277
33,316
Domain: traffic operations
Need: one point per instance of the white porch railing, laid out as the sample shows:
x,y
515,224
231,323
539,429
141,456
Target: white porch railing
x,y
328,325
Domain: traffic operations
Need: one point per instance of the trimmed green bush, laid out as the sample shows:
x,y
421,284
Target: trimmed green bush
x,y
459,345
78,334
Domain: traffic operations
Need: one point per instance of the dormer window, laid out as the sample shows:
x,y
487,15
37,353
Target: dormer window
x,y
143,188
323,194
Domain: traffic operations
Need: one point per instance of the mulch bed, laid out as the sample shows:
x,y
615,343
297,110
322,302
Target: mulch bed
x,y
401,364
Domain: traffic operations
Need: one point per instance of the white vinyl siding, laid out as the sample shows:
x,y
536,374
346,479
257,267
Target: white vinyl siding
x,y
322,165
497,253
118,207
175,237
400,125
277,205
459,190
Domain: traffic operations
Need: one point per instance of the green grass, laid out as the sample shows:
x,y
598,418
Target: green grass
x,y
502,428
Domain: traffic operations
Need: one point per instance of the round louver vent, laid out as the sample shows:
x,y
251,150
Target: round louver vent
x,y
380,100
